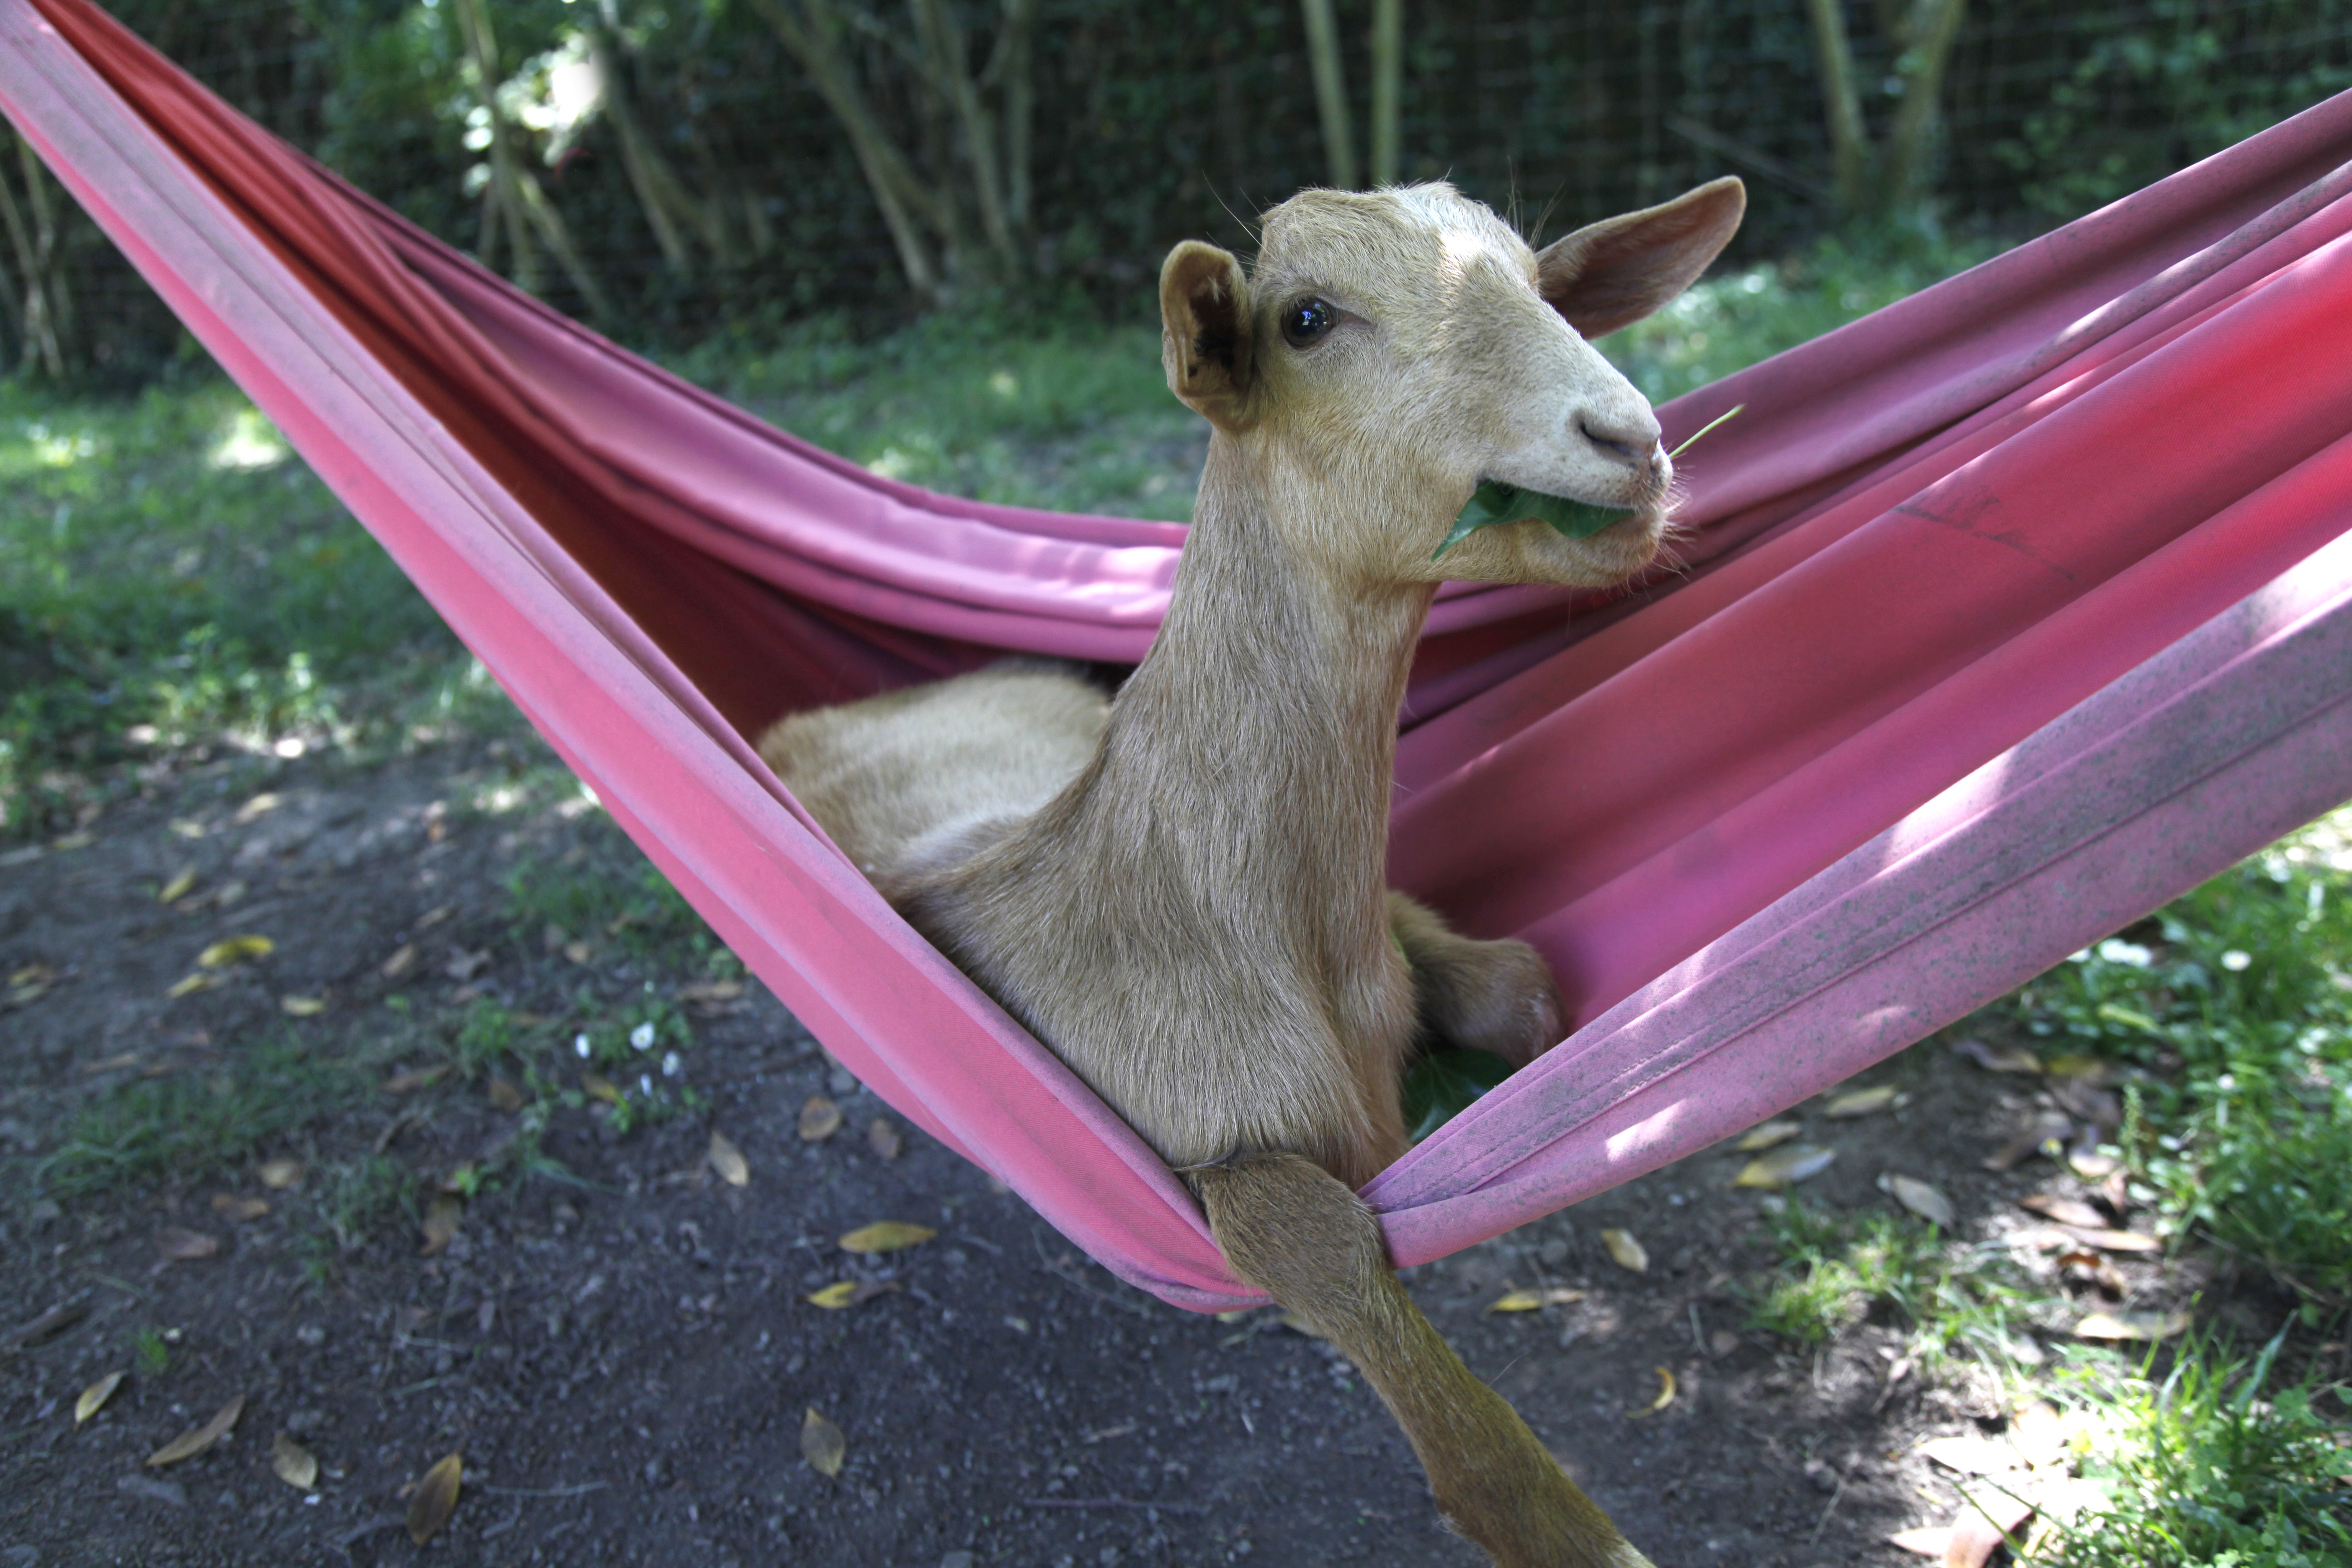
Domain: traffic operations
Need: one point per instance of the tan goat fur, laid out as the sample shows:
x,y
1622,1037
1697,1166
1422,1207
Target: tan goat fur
x,y
1181,890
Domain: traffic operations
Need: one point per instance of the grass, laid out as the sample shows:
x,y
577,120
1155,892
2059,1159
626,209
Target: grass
x,y
186,1126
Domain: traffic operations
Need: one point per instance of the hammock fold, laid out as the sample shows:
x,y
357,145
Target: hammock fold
x,y
2011,611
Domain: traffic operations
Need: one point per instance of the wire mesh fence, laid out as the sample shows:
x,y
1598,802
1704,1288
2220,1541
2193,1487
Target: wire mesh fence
x,y
672,169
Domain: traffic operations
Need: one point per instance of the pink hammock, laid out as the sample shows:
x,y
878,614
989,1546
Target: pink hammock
x,y
2018,607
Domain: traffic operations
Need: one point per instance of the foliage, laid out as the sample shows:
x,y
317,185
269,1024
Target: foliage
x,y
2234,1005
185,1125
611,895
2203,1469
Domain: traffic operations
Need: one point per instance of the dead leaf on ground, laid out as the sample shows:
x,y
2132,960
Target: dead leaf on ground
x,y
190,984
883,1139
463,965
197,1439
2066,1211
180,1245
598,1087
2079,1065
435,1498
1998,1059
301,1007
1920,1197
504,1096
2039,1431
93,1398
295,1465
1926,1541
886,1235
1627,1253
707,993
1982,1527
2109,1240
850,1293
279,1174
267,800
2048,1129
2145,1327
728,1161
1533,1301
441,1222
579,952
1757,1138
1666,1393
177,888
238,1209
822,1445
395,966
1971,1456
820,1120
1861,1102
1789,1164
235,950
410,1079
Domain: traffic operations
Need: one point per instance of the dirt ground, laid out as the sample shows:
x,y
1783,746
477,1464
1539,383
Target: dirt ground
x,y
619,1343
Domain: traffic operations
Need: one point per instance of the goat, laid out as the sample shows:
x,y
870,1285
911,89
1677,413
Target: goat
x,y
1181,890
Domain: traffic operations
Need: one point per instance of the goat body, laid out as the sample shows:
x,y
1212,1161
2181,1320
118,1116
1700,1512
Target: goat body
x,y
1181,890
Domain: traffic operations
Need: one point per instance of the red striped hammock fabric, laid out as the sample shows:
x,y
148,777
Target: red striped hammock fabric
x,y
2016,609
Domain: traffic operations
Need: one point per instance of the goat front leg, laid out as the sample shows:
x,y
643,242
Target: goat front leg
x,y
1496,997
1291,1228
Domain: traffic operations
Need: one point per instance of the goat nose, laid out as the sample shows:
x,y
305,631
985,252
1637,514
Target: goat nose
x,y
1636,448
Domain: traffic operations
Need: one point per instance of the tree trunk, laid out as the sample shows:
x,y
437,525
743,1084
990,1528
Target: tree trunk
x,y
513,203
1926,48
1330,91
1388,86
1841,107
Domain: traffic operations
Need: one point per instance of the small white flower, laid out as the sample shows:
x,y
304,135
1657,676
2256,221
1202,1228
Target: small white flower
x,y
671,1065
642,1037
646,1085
2235,962
2115,950
579,1046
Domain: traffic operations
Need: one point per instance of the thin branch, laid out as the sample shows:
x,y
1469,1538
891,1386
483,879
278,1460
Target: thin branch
x,y
1388,86
1849,152
1934,25
1330,91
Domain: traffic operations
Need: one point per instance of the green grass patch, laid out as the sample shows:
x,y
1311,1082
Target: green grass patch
x,y
2206,1466
2231,1011
191,1124
604,893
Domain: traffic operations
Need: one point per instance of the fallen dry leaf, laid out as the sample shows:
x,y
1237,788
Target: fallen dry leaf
x,y
2077,1065
2066,1211
1922,1199
1757,1138
579,952
435,1498
822,1444
180,1245
177,888
267,800
1971,1456
2040,1432
238,1208
189,983
279,1174
504,1096
409,1079
850,1293
295,1465
395,966
1789,1164
2048,1133
599,1087
1982,1526
710,991
93,1398
1666,1393
462,966
2140,1326
883,1138
1860,1102
1532,1300
1926,1541
728,1161
820,1120
888,1235
1998,1058
197,1439
235,950
441,1222
2109,1240
301,1007
1627,1253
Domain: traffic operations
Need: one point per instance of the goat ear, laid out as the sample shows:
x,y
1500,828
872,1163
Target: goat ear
x,y
1205,331
1613,273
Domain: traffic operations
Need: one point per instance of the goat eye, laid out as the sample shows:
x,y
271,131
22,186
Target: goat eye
x,y
1305,322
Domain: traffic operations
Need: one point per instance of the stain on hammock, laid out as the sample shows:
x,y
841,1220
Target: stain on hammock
x,y
1962,507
